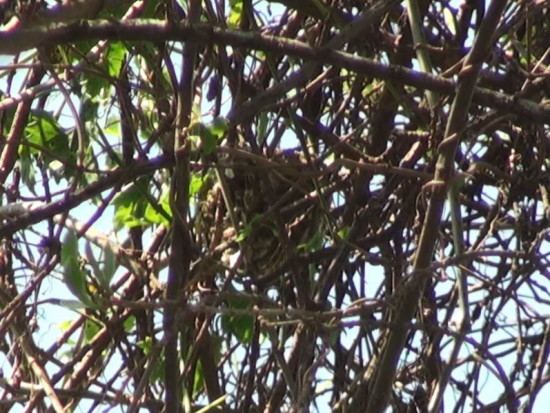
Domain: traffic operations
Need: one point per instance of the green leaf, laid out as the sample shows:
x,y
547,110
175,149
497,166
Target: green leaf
x,y
50,143
130,205
104,269
129,324
69,250
26,166
246,231
343,232
91,329
198,379
212,134
73,274
64,325
159,213
109,264
44,130
207,136
91,258
219,127
75,279
116,54
241,326
208,143
112,128
235,13
94,85
89,108
196,183
147,346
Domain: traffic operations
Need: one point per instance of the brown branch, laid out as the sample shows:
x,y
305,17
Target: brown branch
x,y
160,31
9,152
181,252
117,177
379,377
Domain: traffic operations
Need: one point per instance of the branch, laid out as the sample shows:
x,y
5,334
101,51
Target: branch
x,y
181,242
119,176
381,371
159,31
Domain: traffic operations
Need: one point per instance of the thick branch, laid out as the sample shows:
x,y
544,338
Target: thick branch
x,y
383,368
120,176
160,31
